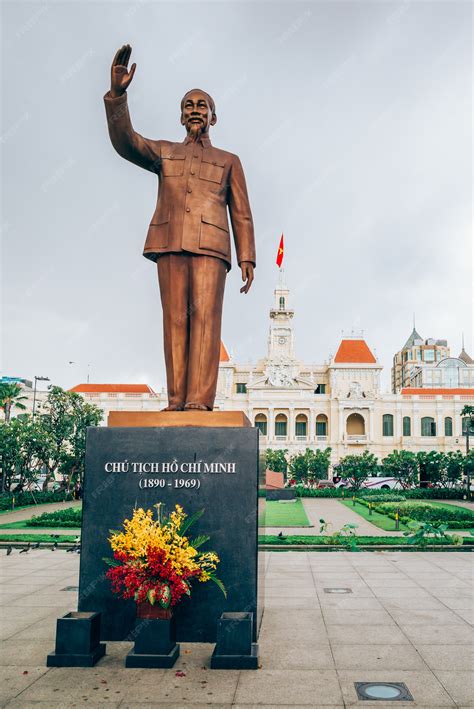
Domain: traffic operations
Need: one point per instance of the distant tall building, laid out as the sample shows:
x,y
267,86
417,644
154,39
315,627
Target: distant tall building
x,y
416,354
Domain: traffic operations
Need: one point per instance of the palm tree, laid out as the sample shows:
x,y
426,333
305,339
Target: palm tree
x,y
10,396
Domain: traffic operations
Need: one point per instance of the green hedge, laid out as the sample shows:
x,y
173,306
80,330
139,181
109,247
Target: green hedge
x,y
416,494
70,517
25,499
425,512
419,512
370,541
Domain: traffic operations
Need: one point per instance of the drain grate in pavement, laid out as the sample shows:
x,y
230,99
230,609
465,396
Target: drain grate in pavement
x,y
383,691
337,590
70,588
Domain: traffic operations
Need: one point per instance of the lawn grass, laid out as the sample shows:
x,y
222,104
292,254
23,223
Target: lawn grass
x,y
48,538
14,509
284,514
21,524
377,519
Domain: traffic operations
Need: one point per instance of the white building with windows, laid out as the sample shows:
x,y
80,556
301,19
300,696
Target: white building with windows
x,y
415,355
338,404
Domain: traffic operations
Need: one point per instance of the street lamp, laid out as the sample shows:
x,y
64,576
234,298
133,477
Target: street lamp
x,y
38,379
468,421
88,368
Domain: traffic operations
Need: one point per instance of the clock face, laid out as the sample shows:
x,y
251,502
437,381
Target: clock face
x,y
281,340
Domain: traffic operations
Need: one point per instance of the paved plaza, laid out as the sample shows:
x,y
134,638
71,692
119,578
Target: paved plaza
x,y
407,619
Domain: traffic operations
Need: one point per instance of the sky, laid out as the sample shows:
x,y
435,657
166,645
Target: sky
x,y
353,122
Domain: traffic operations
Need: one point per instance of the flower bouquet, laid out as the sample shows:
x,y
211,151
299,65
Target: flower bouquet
x,y
155,563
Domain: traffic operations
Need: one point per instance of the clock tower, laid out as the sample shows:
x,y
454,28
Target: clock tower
x,y
280,339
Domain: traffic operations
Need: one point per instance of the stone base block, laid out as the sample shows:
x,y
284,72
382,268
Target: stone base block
x,y
56,659
236,662
135,659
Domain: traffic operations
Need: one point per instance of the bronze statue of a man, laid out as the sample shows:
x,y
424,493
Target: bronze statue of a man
x,y
188,235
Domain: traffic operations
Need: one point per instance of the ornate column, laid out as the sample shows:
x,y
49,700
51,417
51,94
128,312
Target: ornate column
x,y
439,419
398,424
312,425
371,436
271,425
457,420
250,413
291,425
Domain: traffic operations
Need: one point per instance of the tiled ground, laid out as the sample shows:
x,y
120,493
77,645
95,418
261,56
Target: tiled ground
x,y
409,618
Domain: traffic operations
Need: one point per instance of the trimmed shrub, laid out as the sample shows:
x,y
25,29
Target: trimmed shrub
x,y
70,517
24,499
425,512
308,539
416,494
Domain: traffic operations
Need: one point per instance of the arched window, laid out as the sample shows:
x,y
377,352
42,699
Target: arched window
x,y
282,303
301,425
406,426
321,425
428,426
448,426
355,425
387,425
261,423
281,425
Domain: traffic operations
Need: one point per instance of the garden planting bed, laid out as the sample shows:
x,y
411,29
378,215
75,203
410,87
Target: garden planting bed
x,y
412,511
70,517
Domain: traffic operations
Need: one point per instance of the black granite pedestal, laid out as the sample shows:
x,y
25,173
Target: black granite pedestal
x,y
77,641
234,647
215,469
155,645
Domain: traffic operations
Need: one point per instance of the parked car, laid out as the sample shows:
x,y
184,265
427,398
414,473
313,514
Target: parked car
x,y
372,483
324,484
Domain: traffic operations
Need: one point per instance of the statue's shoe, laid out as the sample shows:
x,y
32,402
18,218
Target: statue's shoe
x,y
196,407
174,407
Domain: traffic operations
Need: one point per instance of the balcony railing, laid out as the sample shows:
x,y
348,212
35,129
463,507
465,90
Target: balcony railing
x,y
281,438
321,439
356,438
301,438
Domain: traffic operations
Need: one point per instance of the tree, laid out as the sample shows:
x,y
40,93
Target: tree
x,y
403,466
65,420
11,395
276,460
22,442
468,463
310,465
357,468
453,468
432,467
72,461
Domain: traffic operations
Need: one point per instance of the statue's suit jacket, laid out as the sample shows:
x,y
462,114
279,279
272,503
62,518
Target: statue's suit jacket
x,y
197,184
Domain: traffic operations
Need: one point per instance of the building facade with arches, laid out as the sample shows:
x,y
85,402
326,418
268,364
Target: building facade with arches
x,y
339,404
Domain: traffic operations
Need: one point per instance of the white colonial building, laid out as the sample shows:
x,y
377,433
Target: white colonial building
x,y
338,404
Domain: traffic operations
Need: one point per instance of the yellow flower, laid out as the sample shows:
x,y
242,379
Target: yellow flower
x,y
142,532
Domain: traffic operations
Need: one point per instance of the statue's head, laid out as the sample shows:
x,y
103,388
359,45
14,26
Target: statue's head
x,y
198,111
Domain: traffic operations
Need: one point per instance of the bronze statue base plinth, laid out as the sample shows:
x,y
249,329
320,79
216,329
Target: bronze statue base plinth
x,y
206,419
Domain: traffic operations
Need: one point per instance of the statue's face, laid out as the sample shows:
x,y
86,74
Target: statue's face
x,y
197,114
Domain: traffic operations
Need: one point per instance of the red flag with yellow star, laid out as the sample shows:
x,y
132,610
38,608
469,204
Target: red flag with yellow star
x,y
279,258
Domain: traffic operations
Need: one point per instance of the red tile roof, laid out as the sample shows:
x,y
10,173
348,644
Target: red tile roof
x,y
407,391
224,355
113,388
354,351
